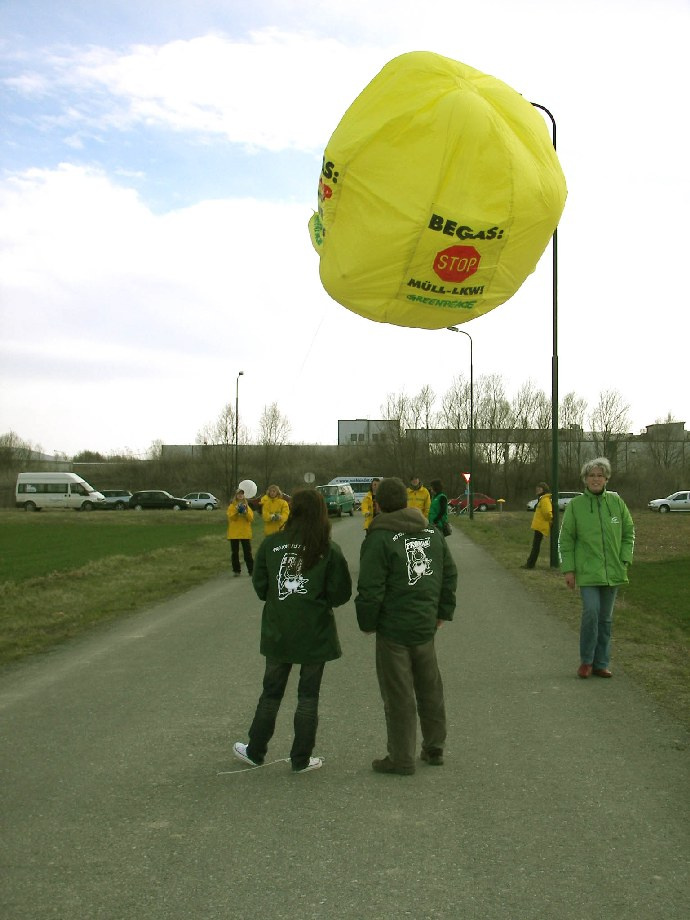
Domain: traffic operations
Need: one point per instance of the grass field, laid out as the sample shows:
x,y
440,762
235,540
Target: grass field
x,y
33,545
63,573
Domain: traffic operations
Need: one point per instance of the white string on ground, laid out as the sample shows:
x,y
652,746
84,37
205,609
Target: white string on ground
x,y
257,766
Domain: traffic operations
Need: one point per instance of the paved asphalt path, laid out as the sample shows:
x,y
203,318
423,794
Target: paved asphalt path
x,y
560,798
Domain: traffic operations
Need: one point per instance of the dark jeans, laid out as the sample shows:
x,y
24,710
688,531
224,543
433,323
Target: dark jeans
x,y
411,685
536,546
246,552
306,715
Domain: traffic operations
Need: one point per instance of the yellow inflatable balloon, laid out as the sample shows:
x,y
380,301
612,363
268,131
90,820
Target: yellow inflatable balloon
x,y
439,191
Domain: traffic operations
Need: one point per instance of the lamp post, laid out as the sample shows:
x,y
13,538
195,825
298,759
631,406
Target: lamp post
x,y
470,484
237,426
554,371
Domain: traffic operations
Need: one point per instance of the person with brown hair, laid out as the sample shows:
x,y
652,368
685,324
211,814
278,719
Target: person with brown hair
x,y
301,575
541,522
370,507
274,510
418,496
240,517
406,591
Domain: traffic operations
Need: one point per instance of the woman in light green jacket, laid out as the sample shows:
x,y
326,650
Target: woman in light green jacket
x,y
596,545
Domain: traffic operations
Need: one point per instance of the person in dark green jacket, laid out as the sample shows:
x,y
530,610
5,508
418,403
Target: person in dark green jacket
x,y
406,590
438,510
301,575
596,545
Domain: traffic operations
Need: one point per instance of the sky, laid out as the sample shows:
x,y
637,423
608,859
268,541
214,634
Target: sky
x,y
160,164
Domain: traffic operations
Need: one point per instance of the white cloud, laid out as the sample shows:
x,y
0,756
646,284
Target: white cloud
x,y
273,91
148,315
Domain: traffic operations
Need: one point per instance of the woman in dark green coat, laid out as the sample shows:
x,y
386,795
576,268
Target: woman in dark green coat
x,y
301,575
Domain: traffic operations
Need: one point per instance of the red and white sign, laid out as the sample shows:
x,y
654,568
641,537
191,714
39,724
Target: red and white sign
x,y
466,477
457,263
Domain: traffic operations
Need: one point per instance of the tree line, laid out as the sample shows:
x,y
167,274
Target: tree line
x,y
426,435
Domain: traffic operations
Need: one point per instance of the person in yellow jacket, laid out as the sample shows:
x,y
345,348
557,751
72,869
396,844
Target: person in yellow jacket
x,y
418,496
369,507
274,510
541,522
240,517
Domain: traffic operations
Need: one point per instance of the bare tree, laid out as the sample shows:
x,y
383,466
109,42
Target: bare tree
x,y
530,413
274,430
408,446
492,411
15,453
455,419
400,450
609,423
571,419
218,444
666,444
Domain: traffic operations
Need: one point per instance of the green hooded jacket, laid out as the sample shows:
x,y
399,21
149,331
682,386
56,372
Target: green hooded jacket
x,y
597,539
407,578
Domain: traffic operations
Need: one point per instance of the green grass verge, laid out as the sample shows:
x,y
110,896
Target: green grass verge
x,y
65,573
652,615
32,545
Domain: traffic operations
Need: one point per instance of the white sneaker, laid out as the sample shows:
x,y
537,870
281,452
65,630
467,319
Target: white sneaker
x,y
315,763
240,752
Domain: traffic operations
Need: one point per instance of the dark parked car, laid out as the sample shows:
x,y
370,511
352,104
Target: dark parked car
x,y
116,499
157,498
480,502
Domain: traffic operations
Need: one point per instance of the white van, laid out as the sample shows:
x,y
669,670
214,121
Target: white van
x,y
56,490
360,485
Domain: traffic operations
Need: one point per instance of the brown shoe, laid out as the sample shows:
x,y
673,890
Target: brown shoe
x,y
584,670
434,757
387,766
602,672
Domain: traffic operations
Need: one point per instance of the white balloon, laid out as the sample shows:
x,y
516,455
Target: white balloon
x,y
248,487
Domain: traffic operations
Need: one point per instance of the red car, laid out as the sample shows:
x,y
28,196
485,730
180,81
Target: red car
x,y
480,502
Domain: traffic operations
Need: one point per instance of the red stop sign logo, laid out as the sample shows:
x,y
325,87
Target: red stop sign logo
x,y
456,263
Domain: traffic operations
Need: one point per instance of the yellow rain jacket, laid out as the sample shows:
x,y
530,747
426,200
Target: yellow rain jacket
x,y
270,507
239,524
419,498
543,514
368,509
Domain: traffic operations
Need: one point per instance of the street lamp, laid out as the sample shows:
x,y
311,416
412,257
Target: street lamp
x,y
470,484
237,426
554,372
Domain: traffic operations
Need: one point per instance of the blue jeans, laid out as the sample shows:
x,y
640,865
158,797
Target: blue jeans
x,y
306,715
595,625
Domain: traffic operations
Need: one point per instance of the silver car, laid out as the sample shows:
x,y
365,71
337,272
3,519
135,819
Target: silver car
x,y
563,499
117,499
203,500
679,501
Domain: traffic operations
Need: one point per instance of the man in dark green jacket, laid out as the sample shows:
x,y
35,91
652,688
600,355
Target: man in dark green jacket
x,y
406,590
